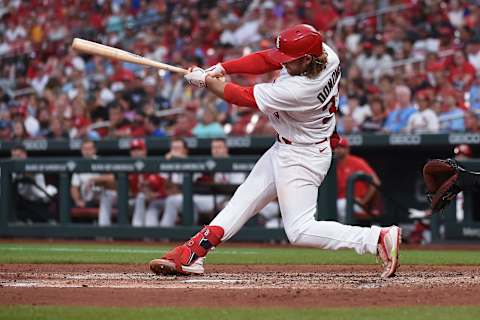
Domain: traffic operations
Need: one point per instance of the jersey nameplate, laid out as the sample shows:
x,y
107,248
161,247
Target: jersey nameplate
x,y
323,95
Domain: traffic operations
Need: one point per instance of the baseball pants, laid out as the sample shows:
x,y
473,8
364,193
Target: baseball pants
x,y
294,173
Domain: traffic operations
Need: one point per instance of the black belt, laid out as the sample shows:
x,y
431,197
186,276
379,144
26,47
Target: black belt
x,y
286,141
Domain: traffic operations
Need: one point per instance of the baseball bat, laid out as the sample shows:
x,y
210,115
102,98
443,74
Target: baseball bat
x,y
101,50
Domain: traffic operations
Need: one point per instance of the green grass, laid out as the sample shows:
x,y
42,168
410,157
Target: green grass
x,y
140,254
411,313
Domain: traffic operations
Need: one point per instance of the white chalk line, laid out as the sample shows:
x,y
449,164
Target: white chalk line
x,y
222,285
97,280
114,250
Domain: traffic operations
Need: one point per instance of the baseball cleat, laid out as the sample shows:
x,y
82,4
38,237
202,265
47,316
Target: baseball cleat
x,y
188,258
388,250
167,267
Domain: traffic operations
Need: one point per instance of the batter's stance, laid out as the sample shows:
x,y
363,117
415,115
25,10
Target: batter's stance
x,y
301,105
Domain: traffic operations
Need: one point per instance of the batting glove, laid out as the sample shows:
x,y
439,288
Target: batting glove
x,y
216,71
196,77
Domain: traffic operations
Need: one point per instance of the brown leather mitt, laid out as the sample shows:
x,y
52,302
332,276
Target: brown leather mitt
x,y
441,178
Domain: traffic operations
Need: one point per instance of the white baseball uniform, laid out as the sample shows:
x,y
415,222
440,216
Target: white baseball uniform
x,y
300,110
201,202
89,192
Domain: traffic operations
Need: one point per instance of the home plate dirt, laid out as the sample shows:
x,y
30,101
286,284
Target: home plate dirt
x,y
237,285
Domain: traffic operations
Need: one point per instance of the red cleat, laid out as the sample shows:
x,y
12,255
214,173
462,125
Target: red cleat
x,y
188,258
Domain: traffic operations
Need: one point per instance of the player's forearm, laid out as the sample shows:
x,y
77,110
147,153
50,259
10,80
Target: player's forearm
x,y
255,63
368,196
232,93
107,181
75,193
216,86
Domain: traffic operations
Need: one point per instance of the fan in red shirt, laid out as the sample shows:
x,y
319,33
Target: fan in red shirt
x,y
364,192
462,72
323,14
147,188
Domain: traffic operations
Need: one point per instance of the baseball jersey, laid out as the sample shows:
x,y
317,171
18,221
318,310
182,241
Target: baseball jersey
x,y
299,108
345,169
425,121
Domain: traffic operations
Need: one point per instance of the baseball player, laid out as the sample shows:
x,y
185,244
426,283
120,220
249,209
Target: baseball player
x,y
148,190
88,188
300,105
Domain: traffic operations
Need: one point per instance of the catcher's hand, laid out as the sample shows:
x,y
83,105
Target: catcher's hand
x,y
441,178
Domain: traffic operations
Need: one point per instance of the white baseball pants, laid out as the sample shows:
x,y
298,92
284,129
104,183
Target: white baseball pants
x,y
294,173
201,203
146,217
106,199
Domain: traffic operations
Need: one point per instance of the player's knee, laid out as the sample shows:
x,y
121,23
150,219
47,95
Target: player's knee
x,y
292,235
295,233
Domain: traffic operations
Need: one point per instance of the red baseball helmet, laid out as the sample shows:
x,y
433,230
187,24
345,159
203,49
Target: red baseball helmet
x,y
463,149
137,144
343,143
296,42
155,182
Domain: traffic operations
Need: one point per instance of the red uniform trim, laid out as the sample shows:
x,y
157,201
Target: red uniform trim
x,y
255,63
241,96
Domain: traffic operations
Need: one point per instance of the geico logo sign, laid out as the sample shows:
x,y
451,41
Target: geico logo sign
x,y
35,144
75,144
355,140
192,143
471,232
124,143
464,138
243,142
405,139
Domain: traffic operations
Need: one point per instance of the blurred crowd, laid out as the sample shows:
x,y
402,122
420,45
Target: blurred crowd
x,y
407,66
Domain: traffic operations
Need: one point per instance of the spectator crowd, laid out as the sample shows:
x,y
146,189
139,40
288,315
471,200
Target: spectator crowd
x,y
407,66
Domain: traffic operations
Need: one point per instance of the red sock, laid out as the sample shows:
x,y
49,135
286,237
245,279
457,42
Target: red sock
x,y
198,246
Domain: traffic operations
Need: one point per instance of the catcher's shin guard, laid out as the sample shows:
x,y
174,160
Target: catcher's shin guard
x,y
187,258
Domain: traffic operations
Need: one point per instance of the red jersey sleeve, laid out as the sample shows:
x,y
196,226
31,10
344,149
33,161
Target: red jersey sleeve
x,y
241,96
255,63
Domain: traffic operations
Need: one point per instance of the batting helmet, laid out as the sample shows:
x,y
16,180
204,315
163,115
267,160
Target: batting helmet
x,y
343,143
137,144
463,149
296,42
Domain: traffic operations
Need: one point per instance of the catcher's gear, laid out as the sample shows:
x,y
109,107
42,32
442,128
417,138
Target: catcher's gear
x,y
444,179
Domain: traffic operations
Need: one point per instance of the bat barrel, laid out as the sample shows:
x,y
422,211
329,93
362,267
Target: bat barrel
x,y
101,50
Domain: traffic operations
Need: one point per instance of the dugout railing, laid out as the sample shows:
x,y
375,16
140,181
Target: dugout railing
x,y
121,167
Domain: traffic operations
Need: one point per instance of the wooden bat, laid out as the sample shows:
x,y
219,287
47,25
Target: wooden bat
x,y
101,50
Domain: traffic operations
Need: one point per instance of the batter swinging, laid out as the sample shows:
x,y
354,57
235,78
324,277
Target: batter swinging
x,y
301,105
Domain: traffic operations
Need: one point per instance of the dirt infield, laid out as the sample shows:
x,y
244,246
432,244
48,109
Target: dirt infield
x,y
238,286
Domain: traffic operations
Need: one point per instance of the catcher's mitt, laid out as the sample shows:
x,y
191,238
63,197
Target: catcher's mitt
x,y
441,179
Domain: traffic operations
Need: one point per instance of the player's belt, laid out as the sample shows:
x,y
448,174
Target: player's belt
x,y
286,141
